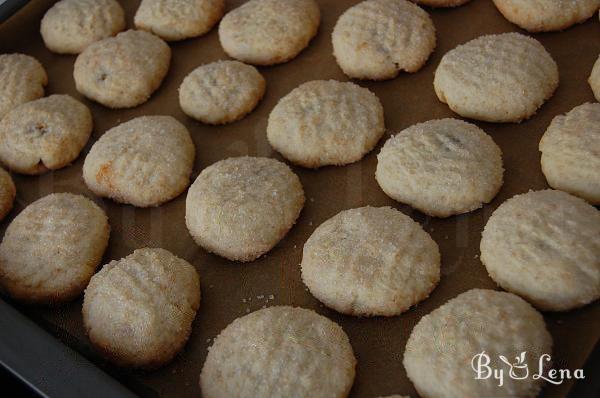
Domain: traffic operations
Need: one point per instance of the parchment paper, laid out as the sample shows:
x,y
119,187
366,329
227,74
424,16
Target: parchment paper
x,y
230,290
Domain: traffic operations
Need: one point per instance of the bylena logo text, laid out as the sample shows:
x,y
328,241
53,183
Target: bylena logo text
x,y
519,369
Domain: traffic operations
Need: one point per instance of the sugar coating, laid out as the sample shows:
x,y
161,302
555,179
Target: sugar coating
x,y
69,26
266,32
178,19
441,346
441,167
44,134
52,248
122,71
221,92
324,123
22,79
8,192
571,152
544,246
546,15
594,79
441,3
496,78
376,39
145,162
240,208
279,352
138,311
370,261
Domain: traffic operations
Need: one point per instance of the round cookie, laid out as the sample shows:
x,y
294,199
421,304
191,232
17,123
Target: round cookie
x,y
324,123
7,193
179,19
146,161
441,167
441,3
122,71
138,311
370,261
69,26
240,208
594,79
44,134
52,248
443,346
496,78
376,39
22,79
571,152
546,15
279,352
267,32
221,92
544,246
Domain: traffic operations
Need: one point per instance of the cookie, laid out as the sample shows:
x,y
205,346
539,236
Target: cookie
x,y
444,346
69,26
179,19
546,15
441,167
376,39
370,261
324,123
267,32
279,352
22,79
7,193
221,92
544,246
594,79
138,311
571,152
496,78
44,134
441,3
240,208
122,71
144,162
52,248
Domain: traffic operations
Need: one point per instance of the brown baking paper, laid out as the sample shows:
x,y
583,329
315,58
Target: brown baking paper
x,y
230,290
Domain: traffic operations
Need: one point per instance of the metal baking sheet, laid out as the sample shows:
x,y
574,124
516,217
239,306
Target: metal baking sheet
x,y
230,290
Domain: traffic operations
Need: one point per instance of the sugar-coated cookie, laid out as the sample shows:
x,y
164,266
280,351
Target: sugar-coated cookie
x,y
44,134
122,71
69,26
146,161
22,79
138,311
52,248
496,78
545,247
221,92
240,208
571,152
279,352
267,32
324,123
442,349
178,19
546,15
594,79
441,167
370,261
8,192
376,39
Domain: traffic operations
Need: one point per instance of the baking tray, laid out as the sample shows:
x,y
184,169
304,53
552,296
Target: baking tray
x,y
230,290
